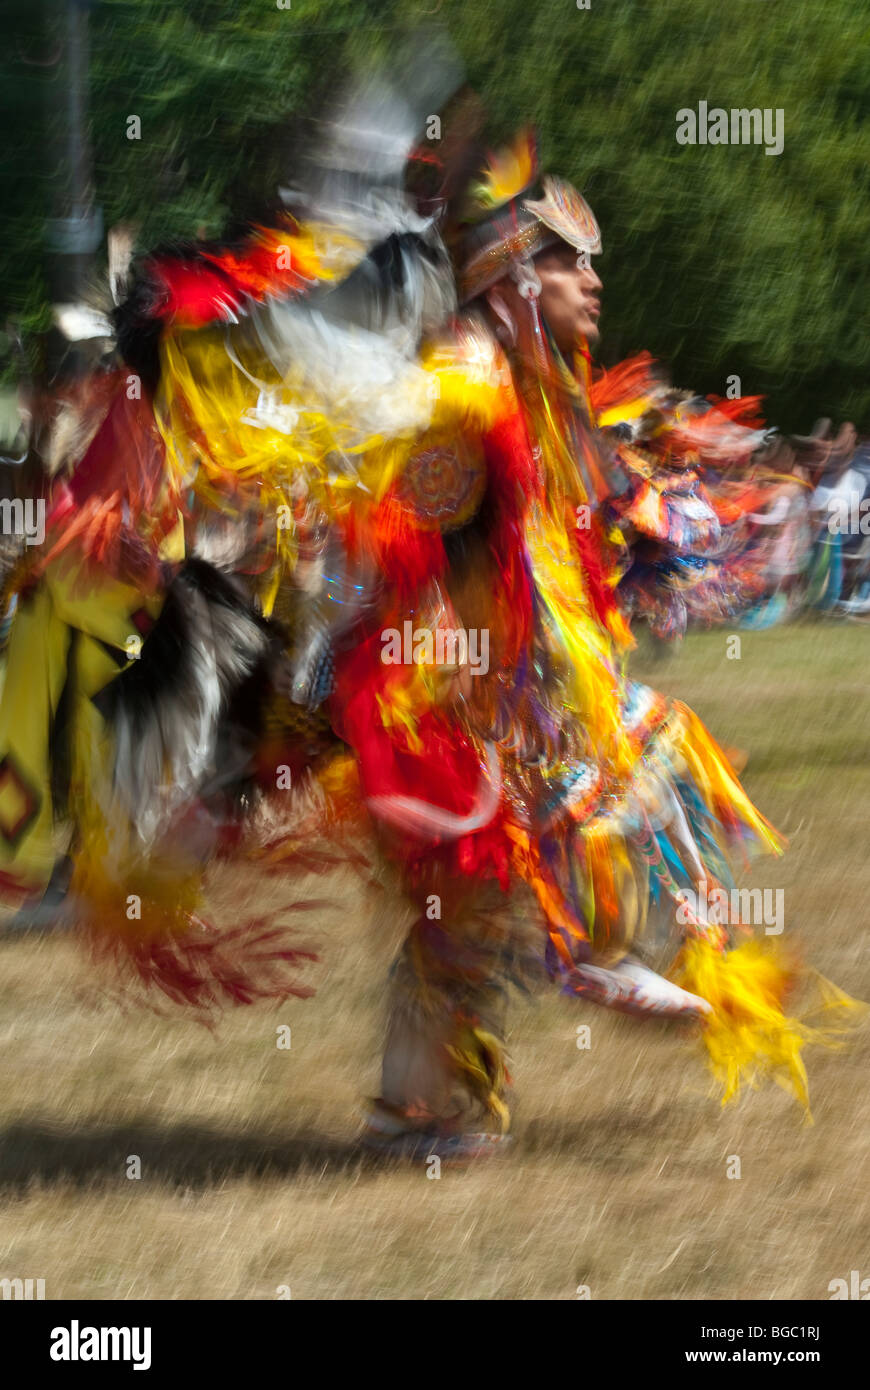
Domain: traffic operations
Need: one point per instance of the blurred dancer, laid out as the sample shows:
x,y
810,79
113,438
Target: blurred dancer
x,y
598,792
413,492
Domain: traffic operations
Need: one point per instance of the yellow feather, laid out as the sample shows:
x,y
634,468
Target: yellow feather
x,y
510,170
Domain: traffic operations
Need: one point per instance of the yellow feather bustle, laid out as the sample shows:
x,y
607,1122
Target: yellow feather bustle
x,y
232,427
509,171
749,1037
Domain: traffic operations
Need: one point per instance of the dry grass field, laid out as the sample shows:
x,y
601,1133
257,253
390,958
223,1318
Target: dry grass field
x,y
617,1178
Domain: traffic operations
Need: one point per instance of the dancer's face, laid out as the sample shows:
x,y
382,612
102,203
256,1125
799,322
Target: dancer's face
x,y
569,297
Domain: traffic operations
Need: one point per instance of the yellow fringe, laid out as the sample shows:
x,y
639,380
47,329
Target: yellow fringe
x,y
479,1060
714,777
749,1038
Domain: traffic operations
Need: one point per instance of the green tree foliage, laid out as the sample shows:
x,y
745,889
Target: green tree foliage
x,y
720,259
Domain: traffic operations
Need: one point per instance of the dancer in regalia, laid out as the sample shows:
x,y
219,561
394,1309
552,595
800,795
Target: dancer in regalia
x,y
592,791
355,460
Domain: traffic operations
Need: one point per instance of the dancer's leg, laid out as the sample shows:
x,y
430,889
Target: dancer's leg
x,y
444,1068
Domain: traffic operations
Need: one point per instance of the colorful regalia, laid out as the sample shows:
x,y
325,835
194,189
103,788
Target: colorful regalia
x,y
712,531
355,532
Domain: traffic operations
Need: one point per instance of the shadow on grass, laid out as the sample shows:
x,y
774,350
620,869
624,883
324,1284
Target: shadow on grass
x,y
188,1156
198,1157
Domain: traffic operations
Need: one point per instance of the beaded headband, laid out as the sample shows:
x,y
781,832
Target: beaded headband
x,y
522,227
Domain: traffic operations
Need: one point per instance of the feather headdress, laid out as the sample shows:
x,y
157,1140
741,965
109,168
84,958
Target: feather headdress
x,y
514,215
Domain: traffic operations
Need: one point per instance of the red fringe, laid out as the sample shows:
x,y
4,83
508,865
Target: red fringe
x,y
208,969
625,382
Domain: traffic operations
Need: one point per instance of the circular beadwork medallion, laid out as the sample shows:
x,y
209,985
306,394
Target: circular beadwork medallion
x,y
444,485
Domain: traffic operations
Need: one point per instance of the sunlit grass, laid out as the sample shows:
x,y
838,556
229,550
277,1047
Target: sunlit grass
x,y
250,1180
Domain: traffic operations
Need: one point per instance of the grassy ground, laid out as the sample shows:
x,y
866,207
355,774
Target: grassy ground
x,y
618,1177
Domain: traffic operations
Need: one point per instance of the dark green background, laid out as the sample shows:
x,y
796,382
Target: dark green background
x,y
720,260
